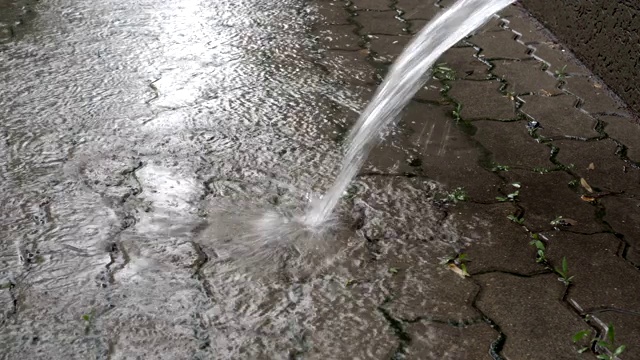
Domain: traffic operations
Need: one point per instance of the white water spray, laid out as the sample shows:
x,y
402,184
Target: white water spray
x,y
407,75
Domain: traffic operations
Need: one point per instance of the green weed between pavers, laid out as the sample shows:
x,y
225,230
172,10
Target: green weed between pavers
x,y
541,258
564,272
608,344
562,73
511,197
456,195
443,72
499,168
457,263
515,219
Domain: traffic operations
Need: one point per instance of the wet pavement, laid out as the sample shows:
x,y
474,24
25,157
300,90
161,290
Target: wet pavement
x,y
140,141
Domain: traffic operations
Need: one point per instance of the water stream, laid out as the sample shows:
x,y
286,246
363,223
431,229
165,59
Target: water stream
x,y
408,74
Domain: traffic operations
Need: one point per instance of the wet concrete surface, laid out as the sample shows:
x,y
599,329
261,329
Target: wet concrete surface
x,y
140,140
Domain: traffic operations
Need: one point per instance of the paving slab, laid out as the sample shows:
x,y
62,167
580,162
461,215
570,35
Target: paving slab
x,y
599,164
379,22
622,214
511,145
546,196
535,322
493,242
601,278
417,9
443,341
623,130
482,100
559,116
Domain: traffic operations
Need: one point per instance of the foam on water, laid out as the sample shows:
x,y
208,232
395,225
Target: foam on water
x,y
407,75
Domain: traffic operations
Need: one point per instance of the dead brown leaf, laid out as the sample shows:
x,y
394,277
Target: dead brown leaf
x,y
591,166
461,272
585,185
587,198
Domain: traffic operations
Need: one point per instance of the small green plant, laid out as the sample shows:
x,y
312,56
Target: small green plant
x,y
458,194
561,73
457,112
564,272
515,219
510,197
557,221
457,263
443,72
608,344
541,170
540,248
393,270
577,337
573,184
499,168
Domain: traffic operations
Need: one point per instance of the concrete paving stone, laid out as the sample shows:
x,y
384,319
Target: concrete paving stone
x,y
558,116
494,243
627,331
388,47
371,4
332,12
499,44
351,65
431,290
529,312
520,21
626,131
463,61
596,98
339,37
379,22
547,196
482,100
525,76
444,3
601,278
623,214
418,9
415,25
608,172
510,144
439,341
446,154
557,57
431,92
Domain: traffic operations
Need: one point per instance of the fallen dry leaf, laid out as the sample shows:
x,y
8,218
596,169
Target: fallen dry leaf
x,y
462,273
597,85
587,198
570,222
585,185
591,166
544,92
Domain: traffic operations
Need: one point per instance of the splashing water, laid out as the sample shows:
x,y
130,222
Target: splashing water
x,y
409,73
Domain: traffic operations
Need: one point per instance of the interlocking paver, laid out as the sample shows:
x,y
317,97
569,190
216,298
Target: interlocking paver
x,y
417,9
597,162
522,75
442,341
530,313
510,144
379,22
559,116
601,279
525,76
626,131
339,37
482,100
547,196
372,4
494,245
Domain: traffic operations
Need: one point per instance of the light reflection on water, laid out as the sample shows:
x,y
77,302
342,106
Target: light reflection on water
x,y
142,145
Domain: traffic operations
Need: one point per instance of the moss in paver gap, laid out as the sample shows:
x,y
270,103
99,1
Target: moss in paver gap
x,y
529,151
